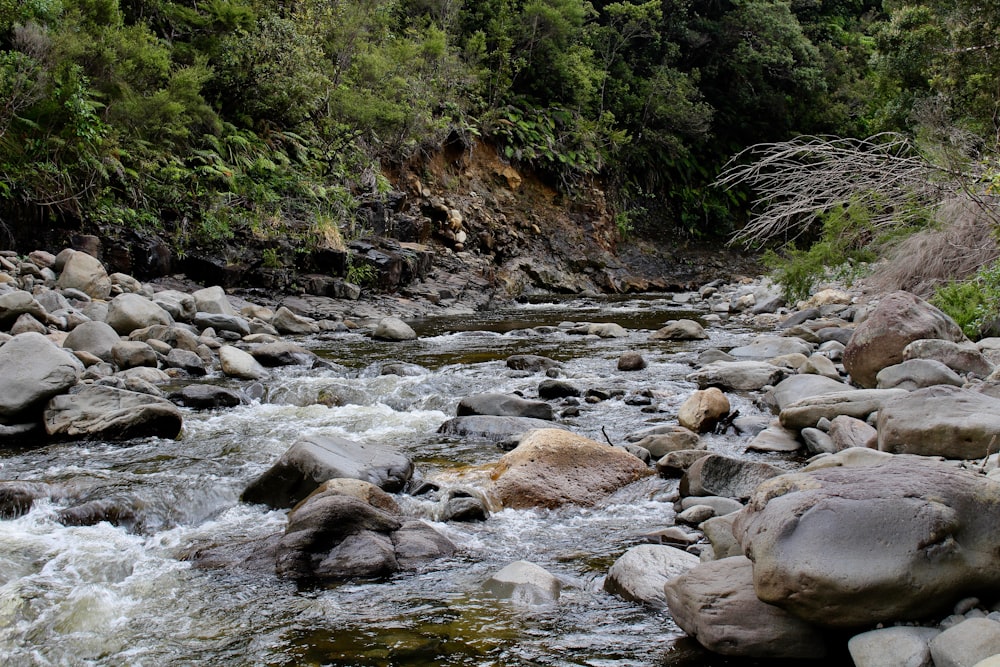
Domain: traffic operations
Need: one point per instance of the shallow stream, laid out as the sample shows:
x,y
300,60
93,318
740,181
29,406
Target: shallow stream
x,y
106,595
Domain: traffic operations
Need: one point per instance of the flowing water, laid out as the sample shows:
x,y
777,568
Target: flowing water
x,y
107,595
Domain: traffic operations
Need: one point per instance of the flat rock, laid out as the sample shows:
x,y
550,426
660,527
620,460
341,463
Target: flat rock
x,y
491,427
206,397
640,573
860,403
737,375
943,421
718,475
107,413
797,387
680,330
963,357
917,374
504,405
766,347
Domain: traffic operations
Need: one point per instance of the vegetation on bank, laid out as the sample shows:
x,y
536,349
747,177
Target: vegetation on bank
x,y
210,120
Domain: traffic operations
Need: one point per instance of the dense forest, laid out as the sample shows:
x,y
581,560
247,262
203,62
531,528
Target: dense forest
x,y
202,118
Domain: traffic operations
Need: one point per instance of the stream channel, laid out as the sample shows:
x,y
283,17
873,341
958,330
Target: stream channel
x,y
107,595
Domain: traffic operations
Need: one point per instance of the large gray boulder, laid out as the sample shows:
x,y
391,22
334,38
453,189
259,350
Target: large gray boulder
x,y
900,646
797,387
504,405
393,329
718,475
239,364
490,427
222,322
17,303
917,374
97,338
85,273
640,573
107,413
680,330
859,403
287,322
180,305
128,312
283,353
899,319
940,421
715,604
966,643
738,375
32,370
315,459
525,583
964,357
855,546
213,300
767,347
553,467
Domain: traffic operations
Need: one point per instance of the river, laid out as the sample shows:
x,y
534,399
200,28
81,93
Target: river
x,y
128,595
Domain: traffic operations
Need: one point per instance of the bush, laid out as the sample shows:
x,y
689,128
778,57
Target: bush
x,y
974,303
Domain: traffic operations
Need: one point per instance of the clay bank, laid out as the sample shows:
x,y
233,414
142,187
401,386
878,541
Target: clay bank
x,y
189,475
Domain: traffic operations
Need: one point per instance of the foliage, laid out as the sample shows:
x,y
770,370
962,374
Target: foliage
x,y
973,303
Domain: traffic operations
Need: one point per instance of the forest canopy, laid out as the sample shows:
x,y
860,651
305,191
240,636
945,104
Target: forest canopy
x,y
200,118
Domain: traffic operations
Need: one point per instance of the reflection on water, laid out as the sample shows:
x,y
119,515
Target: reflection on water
x,y
107,595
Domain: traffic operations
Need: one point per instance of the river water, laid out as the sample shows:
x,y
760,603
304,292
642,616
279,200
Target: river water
x,y
127,595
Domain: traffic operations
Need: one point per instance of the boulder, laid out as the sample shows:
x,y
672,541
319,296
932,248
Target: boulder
x,y
917,374
601,330
187,361
797,387
966,643
174,336
680,330
847,432
205,397
222,322
33,369
631,361
314,459
504,405
859,403
98,338
17,497
284,353
675,464
17,303
549,389
737,375
899,319
128,312
181,306
26,323
524,583
640,573
964,357
715,604
417,542
239,364
213,300
775,438
854,546
719,533
133,353
106,413
718,475
766,347
553,467
818,364
900,646
531,362
943,421
675,439
393,329
287,322
703,410
85,273
490,427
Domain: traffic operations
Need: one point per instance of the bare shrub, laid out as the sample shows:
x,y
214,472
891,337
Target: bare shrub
x,y
963,241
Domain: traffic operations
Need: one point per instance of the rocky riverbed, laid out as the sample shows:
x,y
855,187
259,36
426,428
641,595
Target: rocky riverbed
x,y
812,482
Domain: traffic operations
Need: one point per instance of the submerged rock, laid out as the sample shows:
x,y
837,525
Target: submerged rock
x,y
525,583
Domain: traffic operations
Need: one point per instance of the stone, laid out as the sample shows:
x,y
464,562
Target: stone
x,y
715,604
675,464
33,369
766,347
553,467
181,306
775,438
943,421
393,329
524,583
641,572
853,546
491,427
504,405
17,497
133,353
817,441
797,387
314,459
222,322
964,357
550,389
106,413
900,646
531,362
85,273
719,532
205,397
899,319
26,323
703,410
851,457
213,300
680,330
847,432
17,303
417,542
817,364
287,322
239,364
128,312
185,360
97,338
966,643
719,504
859,403
605,330
174,336
676,439
631,361
827,297
695,515
284,353
917,374
737,375
718,475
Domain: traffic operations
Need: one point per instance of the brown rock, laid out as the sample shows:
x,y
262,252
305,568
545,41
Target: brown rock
x,y
703,410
